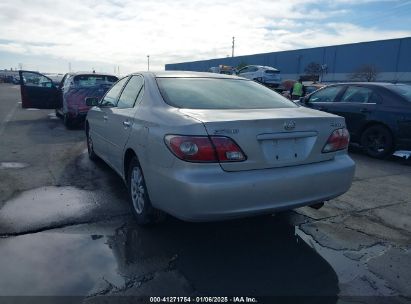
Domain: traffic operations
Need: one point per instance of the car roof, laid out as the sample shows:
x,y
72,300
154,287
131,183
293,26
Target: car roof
x,y
187,74
261,66
378,84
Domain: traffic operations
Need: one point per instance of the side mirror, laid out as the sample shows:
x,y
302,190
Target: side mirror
x,y
92,101
302,100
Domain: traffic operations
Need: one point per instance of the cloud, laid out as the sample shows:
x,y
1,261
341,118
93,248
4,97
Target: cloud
x,y
124,32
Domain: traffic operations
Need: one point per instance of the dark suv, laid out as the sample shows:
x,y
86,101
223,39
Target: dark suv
x,y
378,115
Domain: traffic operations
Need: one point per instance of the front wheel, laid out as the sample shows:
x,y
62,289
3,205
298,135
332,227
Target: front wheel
x,y
377,141
144,212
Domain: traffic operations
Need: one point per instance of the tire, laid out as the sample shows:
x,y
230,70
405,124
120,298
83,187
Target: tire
x,y
68,122
58,114
377,141
144,212
90,149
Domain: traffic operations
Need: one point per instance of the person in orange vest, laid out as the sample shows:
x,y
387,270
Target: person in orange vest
x,y
297,90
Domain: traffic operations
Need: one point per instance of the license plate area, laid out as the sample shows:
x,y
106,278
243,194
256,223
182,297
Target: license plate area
x,y
284,149
288,149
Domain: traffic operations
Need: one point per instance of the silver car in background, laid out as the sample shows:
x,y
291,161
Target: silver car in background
x,y
266,75
203,146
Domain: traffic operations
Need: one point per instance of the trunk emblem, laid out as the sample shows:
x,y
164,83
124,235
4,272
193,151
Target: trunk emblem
x,y
289,125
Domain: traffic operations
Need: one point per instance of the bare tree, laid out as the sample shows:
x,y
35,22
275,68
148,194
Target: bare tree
x,y
366,72
241,65
313,70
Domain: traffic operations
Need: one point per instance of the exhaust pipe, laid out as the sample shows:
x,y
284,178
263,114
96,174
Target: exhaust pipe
x,y
317,205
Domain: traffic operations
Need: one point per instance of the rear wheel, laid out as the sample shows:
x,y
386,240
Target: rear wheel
x,y
90,148
144,212
68,122
377,141
58,114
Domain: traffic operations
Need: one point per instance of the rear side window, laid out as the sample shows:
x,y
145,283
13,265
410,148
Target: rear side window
x,y
129,95
402,89
214,93
325,95
358,95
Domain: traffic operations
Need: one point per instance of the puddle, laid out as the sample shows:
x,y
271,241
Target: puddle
x,y
53,116
13,165
55,264
45,206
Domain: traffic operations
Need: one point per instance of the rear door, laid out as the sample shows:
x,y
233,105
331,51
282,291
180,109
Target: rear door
x,y
356,105
38,91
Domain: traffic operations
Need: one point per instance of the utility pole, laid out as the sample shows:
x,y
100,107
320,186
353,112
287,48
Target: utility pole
x,y
148,62
232,50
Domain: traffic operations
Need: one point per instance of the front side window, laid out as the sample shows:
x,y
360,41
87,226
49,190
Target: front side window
x,y
244,70
33,79
325,95
110,99
357,95
129,95
219,93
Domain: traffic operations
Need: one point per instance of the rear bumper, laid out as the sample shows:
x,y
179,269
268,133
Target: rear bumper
x,y
77,115
212,194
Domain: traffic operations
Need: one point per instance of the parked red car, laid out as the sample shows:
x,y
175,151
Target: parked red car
x,y
67,97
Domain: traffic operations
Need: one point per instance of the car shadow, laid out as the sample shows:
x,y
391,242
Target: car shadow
x,y
261,256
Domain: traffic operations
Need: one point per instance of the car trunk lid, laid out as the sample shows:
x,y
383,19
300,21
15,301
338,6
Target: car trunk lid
x,y
272,137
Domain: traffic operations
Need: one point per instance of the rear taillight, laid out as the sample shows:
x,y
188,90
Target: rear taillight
x,y
204,148
338,140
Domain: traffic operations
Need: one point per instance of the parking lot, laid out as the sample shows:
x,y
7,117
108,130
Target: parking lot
x,y
61,213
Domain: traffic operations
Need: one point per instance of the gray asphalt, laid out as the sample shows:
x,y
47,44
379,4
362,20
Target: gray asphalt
x,y
66,229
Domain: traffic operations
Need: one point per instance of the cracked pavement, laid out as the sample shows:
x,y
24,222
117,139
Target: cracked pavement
x,y
66,229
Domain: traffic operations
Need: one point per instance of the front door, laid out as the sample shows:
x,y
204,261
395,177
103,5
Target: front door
x,y
99,122
38,91
325,99
121,120
356,105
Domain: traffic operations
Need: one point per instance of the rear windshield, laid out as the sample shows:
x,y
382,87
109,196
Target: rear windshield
x,y
92,80
272,72
217,93
403,89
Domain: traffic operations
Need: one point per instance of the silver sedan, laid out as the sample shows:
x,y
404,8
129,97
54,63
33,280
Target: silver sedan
x,y
203,147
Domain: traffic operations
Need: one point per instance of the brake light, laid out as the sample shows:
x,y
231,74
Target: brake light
x,y
338,140
204,148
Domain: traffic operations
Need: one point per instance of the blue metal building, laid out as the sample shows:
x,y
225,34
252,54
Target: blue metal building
x,y
391,58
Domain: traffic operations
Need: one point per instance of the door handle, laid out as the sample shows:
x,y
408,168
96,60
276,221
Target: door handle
x,y
126,123
105,117
364,110
322,108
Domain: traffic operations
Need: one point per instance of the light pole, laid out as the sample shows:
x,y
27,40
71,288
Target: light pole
x,y
148,62
232,50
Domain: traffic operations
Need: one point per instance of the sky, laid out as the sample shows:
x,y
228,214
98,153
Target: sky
x,y
118,35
